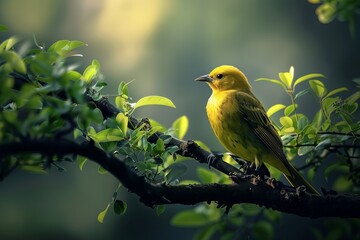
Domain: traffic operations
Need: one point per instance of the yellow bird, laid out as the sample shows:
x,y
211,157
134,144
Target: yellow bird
x,y
241,124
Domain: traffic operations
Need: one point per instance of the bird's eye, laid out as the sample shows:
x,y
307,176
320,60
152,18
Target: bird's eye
x,y
219,76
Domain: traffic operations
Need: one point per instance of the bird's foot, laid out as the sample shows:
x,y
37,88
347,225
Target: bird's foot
x,y
243,164
273,183
238,177
262,171
213,157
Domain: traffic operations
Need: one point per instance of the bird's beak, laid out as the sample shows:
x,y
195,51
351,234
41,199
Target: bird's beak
x,y
204,78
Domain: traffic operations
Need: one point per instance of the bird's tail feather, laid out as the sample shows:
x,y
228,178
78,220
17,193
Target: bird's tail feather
x,y
296,180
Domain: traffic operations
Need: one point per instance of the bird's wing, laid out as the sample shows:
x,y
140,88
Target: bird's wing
x,y
254,113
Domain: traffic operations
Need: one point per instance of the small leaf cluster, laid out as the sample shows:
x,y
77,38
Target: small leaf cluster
x,y
343,10
41,96
243,221
44,95
131,142
334,127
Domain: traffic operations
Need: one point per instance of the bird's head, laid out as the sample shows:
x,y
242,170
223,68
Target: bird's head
x,y
226,78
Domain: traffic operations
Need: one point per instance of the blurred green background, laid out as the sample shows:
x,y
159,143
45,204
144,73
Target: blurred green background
x,y
162,46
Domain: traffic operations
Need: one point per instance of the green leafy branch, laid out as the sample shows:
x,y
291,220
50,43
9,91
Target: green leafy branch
x,y
51,112
343,10
333,129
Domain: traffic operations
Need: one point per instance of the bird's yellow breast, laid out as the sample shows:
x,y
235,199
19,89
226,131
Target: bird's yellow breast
x,y
229,127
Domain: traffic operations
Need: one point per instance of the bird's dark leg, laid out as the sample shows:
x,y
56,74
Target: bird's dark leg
x,y
261,170
240,161
250,170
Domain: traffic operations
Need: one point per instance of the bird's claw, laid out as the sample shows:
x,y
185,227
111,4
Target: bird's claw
x,y
239,160
238,177
262,171
212,158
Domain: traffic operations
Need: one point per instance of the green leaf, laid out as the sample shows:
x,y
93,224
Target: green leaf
x,y
160,209
290,109
102,214
34,169
323,144
263,230
102,170
326,12
189,218
63,47
291,71
107,135
207,232
95,63
272,215
120,207
335,91
180,126
174,171
287,77
286,121
330,169
143,143
318,88
123,89
318,119
77,133
156,125
306,78
8,44
58,45
301,93
272,81
154,100
81,161
137,134
99,85
274,109
342,184
73,75
96,116
353,98
14,60
122,120
326,125
91,71
311,173
119,102
75,44
206,176
288,130
35,102
329,105
304,150
251,209
302,123
160,145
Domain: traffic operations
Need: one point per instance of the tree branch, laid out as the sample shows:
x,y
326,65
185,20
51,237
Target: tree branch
x,y
186,148
300,202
